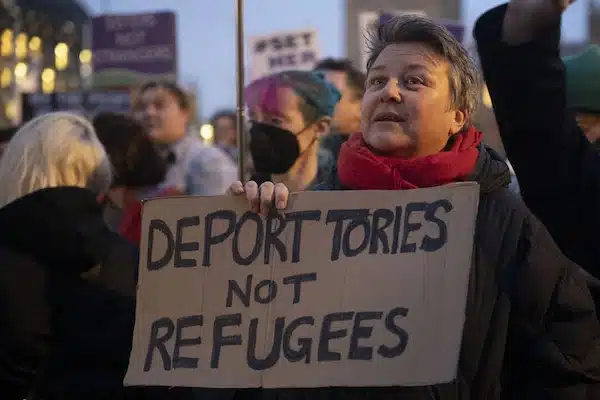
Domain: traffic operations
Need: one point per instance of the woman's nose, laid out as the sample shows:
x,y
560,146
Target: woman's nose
x,y
150,111
391,91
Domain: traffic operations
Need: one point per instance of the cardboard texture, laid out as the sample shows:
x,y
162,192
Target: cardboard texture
x,y
368,290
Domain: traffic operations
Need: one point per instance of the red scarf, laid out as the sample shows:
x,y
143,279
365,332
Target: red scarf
x,y
360,169
131,223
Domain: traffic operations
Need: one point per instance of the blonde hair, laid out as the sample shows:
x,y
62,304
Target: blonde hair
x,y
53,150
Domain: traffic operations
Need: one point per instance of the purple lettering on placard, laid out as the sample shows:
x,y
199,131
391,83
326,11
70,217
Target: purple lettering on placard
x,y
284,61
260,46
309,56
275,62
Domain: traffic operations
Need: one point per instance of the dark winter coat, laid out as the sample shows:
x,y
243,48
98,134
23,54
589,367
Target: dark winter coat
x,y
557,167
531,330
333,143
67,300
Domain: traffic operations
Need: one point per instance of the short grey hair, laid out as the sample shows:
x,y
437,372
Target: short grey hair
x,y
53,150
465,78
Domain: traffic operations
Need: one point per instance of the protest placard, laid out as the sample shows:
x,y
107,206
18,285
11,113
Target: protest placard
x,y
362,288
283,51
133,48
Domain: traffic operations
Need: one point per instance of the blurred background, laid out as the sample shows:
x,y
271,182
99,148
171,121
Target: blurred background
x,y
90,55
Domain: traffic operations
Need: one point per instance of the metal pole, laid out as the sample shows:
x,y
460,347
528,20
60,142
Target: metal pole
x,y
240,125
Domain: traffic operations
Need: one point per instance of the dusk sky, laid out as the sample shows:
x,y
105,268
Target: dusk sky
x,y
206,33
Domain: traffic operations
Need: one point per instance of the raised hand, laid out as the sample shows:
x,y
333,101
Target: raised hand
x,y
541,6
526,18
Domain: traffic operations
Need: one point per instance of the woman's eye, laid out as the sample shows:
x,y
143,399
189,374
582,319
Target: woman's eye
x,y
412,81
375,81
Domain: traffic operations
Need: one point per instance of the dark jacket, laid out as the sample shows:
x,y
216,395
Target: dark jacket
x,y
61,335
531,330
333,143
557,168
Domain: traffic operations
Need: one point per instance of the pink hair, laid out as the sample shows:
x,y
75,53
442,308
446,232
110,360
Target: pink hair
x,y
264,93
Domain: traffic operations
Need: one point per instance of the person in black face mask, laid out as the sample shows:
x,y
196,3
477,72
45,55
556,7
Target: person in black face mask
x,y
289,112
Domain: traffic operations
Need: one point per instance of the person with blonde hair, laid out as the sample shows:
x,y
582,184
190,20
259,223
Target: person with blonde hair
x,y
67,281
56,149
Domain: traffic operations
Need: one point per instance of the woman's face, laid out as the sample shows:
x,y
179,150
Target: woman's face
x,y
288,116
225,131
406,110
160,112
346,117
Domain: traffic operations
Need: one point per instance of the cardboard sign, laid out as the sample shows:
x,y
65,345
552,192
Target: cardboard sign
x,y
283,51
343,289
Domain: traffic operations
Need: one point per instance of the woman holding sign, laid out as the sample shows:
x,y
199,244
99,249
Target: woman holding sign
x,y
531,329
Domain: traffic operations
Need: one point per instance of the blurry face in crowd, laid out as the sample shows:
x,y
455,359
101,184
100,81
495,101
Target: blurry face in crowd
x,y
225,132
590,124
280,135
406,108
160,112
288,116
346,118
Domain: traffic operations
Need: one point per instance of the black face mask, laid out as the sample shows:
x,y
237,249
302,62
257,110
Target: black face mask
x,y
274,150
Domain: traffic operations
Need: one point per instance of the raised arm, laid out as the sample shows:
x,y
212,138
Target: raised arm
x,y
557,168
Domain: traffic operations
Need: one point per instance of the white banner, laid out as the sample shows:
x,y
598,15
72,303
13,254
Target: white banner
x,y
282,51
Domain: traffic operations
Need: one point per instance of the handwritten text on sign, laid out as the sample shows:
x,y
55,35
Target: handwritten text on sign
x,y
369,295
283,51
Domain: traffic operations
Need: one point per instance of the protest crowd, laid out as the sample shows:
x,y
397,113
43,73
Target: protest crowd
x,y
504,259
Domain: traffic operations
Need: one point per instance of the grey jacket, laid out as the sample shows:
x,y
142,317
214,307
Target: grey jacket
x,y
200,169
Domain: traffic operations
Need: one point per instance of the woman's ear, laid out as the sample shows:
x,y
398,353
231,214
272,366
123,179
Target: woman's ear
x,y
322,126
187,114
458,121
